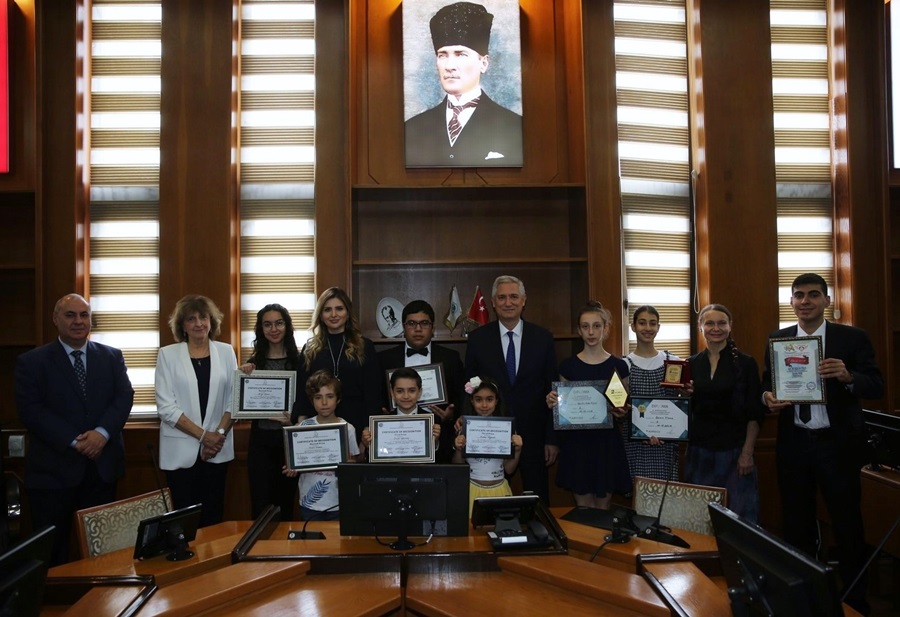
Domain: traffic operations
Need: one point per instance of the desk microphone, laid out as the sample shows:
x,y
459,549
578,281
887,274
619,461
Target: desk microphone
x,y
657,531
162,491
311,535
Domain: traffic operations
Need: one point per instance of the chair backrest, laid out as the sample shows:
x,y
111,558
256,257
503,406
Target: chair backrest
x,y
113,526
685,505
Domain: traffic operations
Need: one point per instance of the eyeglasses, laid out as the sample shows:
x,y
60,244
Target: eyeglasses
x,y
273,325
422,324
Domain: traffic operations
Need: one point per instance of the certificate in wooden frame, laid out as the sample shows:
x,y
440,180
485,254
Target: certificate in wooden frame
x,y
398,439
320,442
486,425
434,385
262,394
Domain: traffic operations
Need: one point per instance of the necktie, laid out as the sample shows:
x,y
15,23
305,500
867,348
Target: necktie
x,y
805,413
411,352
511,359
454,127
79,372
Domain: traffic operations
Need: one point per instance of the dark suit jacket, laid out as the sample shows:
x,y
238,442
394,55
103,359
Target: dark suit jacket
x,y
852,345
51,407
526,400
491,128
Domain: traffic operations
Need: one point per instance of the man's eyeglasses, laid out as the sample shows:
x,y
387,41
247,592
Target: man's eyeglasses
x,y
273,325
422,324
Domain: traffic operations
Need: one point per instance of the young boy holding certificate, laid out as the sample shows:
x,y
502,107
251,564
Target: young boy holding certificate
x,y
406,390
319,489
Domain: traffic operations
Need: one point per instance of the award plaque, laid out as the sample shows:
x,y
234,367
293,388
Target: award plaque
x,y
795,369
665,418
581,405
316,446
616,392
262,394
434,386
677,374
401,439
488,437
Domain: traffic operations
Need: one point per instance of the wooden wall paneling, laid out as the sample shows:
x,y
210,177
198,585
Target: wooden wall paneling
x,y
333,147
860,179
733,150
60,207
197,208
570,64
603,199
22,98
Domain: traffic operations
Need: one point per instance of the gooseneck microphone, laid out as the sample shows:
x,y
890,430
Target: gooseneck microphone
x,y
159,483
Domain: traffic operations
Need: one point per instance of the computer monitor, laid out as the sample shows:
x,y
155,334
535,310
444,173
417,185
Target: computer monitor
x,y
23,572
883,438
397,499
767,576
168,533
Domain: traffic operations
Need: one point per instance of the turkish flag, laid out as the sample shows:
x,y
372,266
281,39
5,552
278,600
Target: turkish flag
x,y
478,313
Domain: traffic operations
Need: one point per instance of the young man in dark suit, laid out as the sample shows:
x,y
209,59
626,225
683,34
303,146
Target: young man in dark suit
x,y
821,446
525,375
74,397
467,128
418,350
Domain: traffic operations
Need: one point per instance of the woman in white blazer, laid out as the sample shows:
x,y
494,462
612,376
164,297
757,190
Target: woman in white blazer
x,y
193,398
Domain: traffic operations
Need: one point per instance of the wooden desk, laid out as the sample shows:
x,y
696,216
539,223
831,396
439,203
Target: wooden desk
x,y
880,505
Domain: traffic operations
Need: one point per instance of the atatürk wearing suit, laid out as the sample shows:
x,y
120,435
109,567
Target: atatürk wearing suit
x,y
829,458
58,478
492,131
525,400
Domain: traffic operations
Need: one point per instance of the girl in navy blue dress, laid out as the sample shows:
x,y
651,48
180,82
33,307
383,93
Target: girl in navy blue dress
x,y
592,462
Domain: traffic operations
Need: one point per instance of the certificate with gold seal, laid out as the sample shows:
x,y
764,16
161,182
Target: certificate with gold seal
x,y
665,418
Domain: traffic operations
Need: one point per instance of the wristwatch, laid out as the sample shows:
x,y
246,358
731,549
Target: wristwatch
x,y
220,431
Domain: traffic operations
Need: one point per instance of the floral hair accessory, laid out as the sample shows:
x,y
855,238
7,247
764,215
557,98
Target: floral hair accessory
x,y
472,385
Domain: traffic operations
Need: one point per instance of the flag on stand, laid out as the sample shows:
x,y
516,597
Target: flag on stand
x,y
478,314
454,315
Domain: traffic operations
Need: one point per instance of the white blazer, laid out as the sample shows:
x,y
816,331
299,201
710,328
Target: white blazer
x,y
177,394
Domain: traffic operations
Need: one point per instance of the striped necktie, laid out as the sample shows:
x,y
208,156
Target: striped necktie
x,y
454,127
80,373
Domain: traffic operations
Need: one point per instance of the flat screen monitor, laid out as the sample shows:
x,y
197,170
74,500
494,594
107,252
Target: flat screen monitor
x,y
397,499
23,572
883,437
767,576
168,533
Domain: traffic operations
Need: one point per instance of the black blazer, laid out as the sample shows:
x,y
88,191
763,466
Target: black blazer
x,y
852,345
526,400
491,129
394,358
51,407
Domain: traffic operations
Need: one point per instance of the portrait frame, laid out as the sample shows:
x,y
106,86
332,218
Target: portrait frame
x,y
250,403
794,363
401,445
322,431
434,384
483,424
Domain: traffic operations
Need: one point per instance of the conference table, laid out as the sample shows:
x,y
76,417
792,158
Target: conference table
x,y
272,575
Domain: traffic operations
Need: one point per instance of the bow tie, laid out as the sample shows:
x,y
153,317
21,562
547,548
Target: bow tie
x,y
410,352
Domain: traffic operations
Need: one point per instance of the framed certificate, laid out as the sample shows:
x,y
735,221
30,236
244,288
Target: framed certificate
x,y
262,394
677,373
665,418
434,386
401,439
795,369
488,437
581,405
316,447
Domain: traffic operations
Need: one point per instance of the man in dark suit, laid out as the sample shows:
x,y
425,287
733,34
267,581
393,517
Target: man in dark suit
x,y
521,358
73,396
467,129
418,350
822,445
